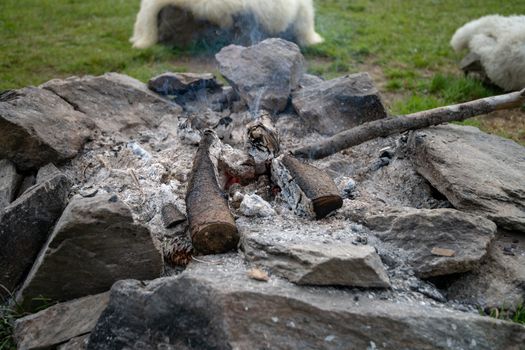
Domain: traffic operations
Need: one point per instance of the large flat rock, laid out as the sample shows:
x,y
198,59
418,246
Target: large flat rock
x,y
38,127
217,306
95,243
59,323
479,173
25,225
435,242
114,102
263,75
332,106
308,263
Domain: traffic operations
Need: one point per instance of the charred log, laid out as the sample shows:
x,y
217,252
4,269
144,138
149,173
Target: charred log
x,y
309,191
212,227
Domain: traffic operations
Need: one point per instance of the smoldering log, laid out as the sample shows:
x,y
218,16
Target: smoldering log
x,y
419,120
263,141
212,228
171,215
309,191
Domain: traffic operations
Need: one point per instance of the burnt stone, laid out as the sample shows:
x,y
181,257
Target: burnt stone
x,y
180,83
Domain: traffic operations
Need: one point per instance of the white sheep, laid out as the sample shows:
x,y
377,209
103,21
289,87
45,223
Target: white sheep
x,y
275,16
500,43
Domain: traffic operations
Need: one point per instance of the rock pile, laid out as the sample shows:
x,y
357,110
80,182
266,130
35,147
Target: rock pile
x,y
395,243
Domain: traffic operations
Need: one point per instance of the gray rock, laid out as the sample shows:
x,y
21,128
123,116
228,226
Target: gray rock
x,y
78,343
179,83
46,172
25,225
428,237
309,80
212,306
38,127
114,102
335,105
26,183
60,323
263,75
341,264
95,243
499,281
479,173
9,180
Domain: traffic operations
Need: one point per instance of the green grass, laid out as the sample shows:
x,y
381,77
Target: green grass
x,y
10,312
406,40
517,315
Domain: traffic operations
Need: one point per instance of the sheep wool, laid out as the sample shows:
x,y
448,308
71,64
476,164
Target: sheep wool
x,y
275,16
500,43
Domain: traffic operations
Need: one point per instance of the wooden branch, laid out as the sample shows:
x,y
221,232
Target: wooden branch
x,y
212,228
419,120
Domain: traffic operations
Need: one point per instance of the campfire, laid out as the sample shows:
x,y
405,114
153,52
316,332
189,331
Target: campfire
x,y
278,211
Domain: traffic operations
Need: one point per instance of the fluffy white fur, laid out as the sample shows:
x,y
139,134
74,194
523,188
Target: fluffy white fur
x,y
275,16
500,42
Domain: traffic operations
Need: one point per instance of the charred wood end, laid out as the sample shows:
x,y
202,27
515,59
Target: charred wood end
x,y
325,205
171,215
316,184
215,237
212,227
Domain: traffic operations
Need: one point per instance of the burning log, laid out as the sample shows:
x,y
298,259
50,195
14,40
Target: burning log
x,y
212,228
419,120
263,141
171,215
308,190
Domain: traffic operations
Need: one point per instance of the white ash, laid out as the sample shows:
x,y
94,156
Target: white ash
x,y
254,205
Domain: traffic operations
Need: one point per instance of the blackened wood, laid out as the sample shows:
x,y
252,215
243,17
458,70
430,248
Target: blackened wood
x,y
171,215
212,227
419,120
316,184
263,138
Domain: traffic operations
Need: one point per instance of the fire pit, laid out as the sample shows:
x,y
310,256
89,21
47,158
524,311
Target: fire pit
x,y
396,242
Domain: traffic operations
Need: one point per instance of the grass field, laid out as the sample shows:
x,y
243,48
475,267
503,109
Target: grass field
x,y
402,43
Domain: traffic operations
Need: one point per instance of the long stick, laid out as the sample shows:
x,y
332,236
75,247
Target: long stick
x,y
419,120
